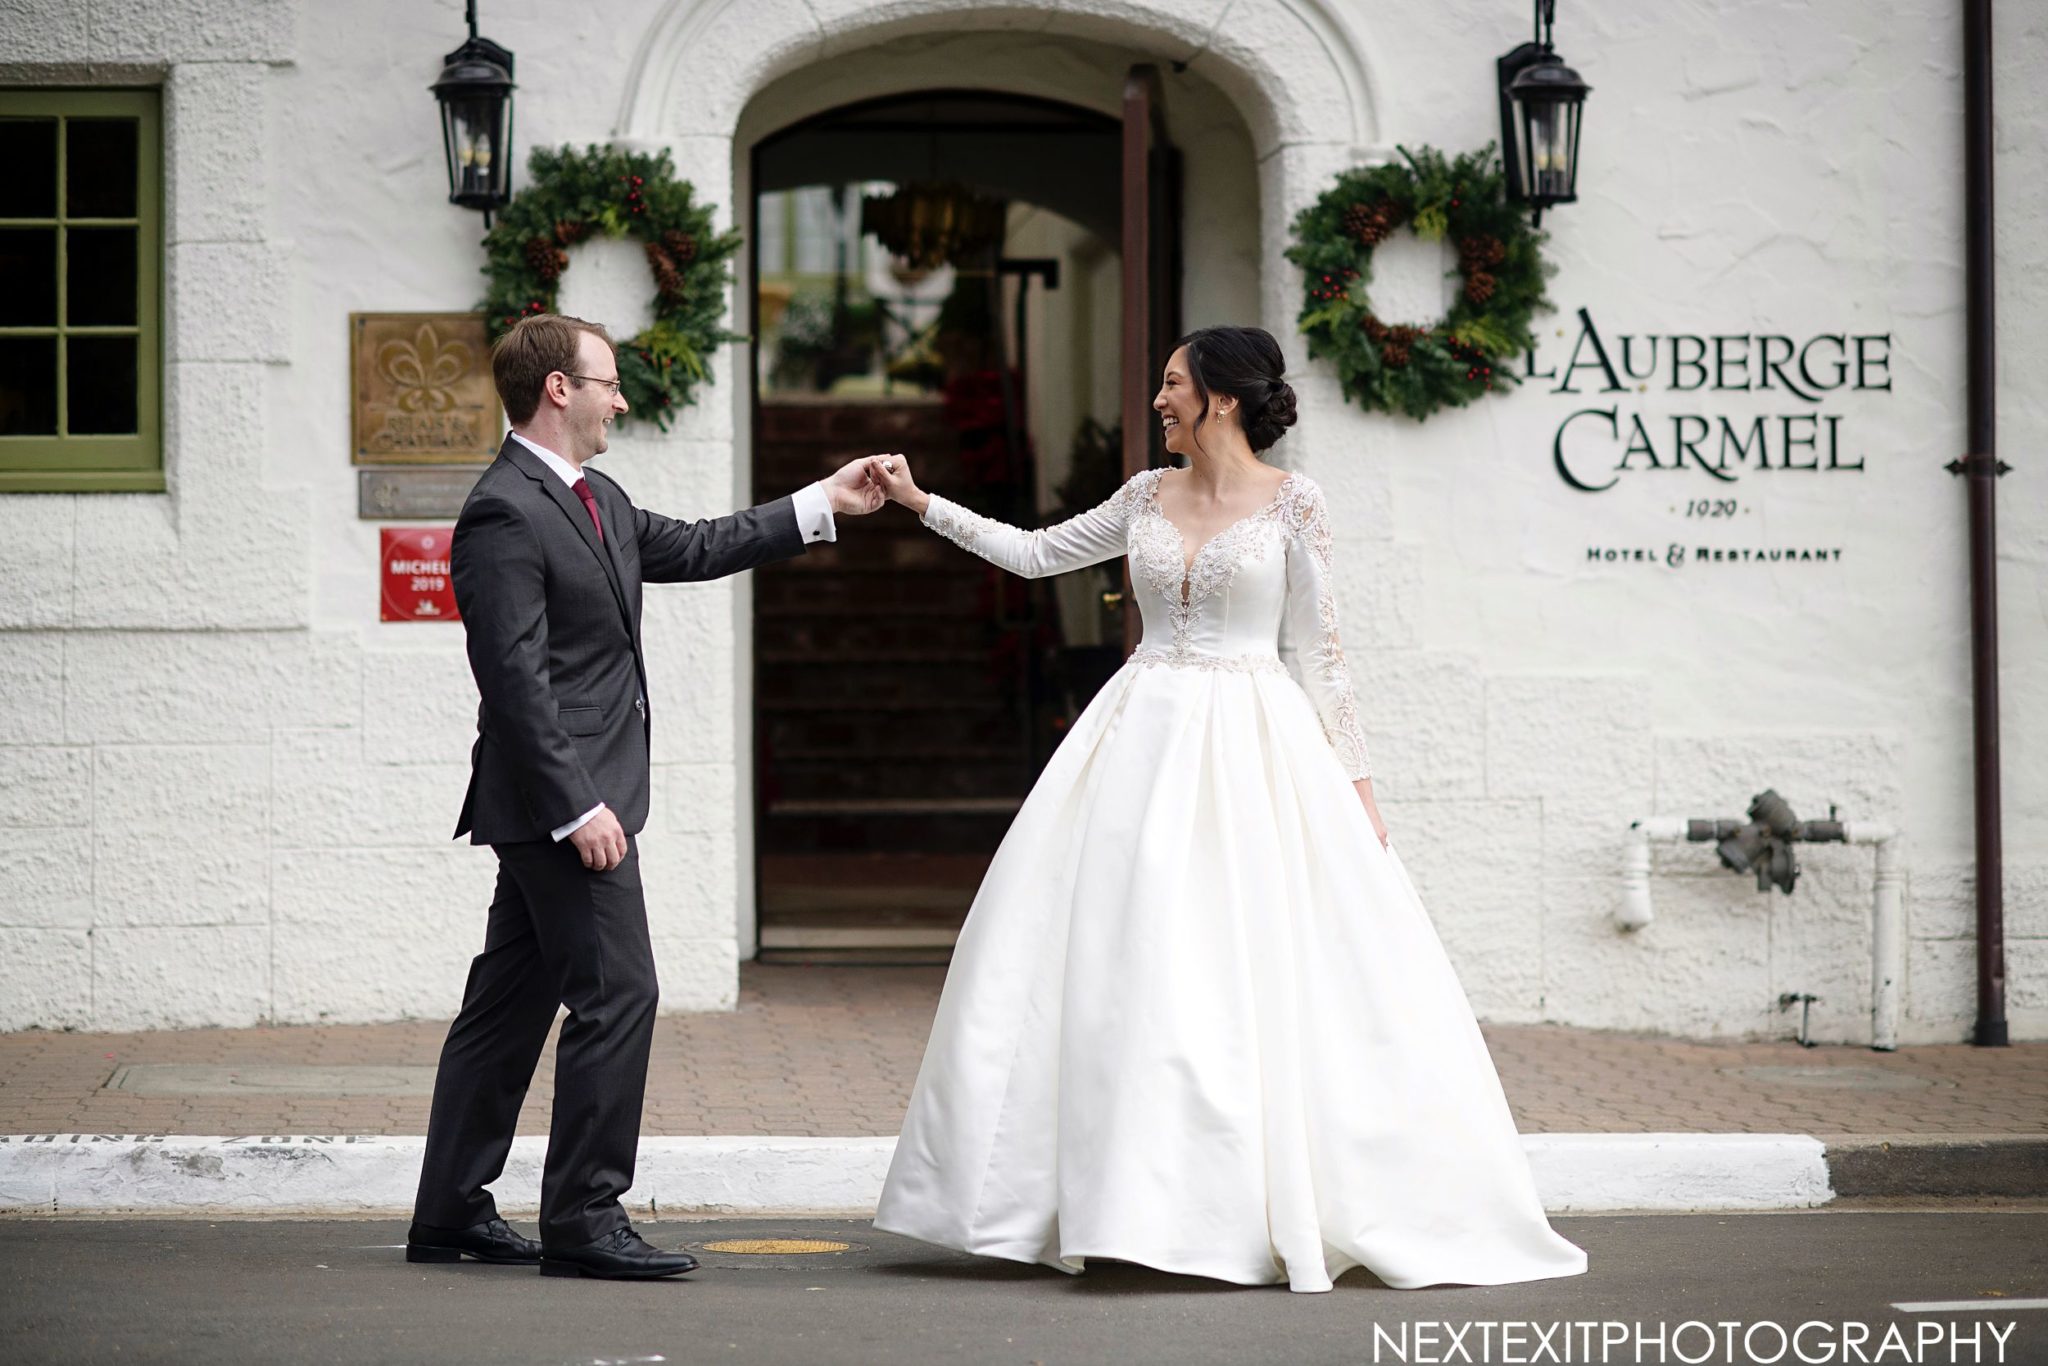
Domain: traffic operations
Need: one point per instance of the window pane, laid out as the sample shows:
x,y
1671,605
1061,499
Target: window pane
x,y
28,151
100,265
28,263
101,384
99,174
28,386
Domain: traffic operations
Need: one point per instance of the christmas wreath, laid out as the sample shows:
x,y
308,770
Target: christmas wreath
x,y
572,195
1407,368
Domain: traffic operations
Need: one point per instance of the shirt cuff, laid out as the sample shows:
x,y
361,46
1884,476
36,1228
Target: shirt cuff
x,y
814,514
562,832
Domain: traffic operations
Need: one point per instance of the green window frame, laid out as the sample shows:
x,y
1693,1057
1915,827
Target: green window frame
x,y
61,449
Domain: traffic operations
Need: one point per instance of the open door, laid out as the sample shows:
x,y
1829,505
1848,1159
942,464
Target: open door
x,y
1151,278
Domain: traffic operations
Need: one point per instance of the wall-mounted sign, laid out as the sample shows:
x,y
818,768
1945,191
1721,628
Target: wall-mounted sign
x,y
1597,445
421,384
410,495
415,573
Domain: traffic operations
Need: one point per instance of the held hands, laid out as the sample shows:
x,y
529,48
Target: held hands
x,y
892,474
601,841
851,489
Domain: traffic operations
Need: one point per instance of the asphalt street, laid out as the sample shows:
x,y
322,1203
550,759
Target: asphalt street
x,y
314,1293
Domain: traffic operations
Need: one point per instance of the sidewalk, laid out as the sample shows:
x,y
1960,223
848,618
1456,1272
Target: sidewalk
x,y
832,1052
823,1056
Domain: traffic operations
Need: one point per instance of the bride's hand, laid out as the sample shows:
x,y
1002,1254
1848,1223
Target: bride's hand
x,y
892,472
1372,809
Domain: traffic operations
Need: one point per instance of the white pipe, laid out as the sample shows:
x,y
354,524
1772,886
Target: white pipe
x,y
1887,907
1635,867
1887,927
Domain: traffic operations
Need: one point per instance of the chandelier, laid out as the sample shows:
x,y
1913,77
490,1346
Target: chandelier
x,y
934,223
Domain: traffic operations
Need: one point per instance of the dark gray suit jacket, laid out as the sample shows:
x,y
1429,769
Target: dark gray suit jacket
x,y
553,621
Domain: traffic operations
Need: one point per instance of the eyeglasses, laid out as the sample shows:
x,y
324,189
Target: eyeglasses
x,y
610,384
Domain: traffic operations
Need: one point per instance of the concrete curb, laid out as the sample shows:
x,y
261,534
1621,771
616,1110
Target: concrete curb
x,y
1939,1165
78,1173
322,1174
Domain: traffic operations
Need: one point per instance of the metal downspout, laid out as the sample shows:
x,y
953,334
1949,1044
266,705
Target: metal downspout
x,y
1981,468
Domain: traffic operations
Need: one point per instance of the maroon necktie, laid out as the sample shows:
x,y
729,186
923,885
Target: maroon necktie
x,y
582,487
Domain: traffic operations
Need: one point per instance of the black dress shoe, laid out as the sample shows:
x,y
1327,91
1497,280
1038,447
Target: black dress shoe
x,y
620,1255
491,1241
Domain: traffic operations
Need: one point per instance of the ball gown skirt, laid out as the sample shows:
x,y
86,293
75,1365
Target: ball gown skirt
x,y
1199,1019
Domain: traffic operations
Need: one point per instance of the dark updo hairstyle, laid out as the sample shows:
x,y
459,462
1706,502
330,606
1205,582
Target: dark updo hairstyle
x,y
1246,364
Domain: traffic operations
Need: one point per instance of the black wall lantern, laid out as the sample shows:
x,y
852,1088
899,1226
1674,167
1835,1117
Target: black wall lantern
x,y
475,91
1540,101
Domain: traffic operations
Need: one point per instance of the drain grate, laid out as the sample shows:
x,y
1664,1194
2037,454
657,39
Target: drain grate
x,y
209,1079
776,1247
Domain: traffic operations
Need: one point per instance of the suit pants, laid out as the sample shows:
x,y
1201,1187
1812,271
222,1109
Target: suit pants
x,y
558,934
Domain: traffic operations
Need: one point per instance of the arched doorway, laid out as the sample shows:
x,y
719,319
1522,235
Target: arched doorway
x,y
906,695
1266,105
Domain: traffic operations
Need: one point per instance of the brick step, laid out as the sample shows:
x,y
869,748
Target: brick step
x,y
918,825
909,706
853,684
884,543
773,658
860,807
871,591
792,631
893,540
797,725
879,776
857,954
924,609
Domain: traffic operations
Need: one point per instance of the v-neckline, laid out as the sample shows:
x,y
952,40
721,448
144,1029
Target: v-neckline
x,y
1187,567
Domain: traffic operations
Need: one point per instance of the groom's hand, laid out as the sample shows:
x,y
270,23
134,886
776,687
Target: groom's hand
x,y
601,841
852,491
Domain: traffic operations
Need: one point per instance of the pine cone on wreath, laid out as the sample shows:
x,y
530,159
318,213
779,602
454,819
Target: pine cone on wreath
x,y
1372,223
1375,330
569,232
1397,348
1479,286
545,259
668,281
680,246
1480,251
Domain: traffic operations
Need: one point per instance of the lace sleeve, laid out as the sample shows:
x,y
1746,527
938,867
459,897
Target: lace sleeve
x,y
1312,623
1096,535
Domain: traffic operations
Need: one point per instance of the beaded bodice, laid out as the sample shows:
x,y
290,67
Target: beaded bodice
x,y
1221,608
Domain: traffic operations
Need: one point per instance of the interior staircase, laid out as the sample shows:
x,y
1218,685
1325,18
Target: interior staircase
x,y
892,725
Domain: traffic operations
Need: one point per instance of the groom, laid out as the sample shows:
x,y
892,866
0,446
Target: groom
x,y
548,561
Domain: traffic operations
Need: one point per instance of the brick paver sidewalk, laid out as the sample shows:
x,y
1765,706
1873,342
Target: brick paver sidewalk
x,y
831,1051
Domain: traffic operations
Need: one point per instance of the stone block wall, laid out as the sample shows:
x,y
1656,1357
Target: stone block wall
x,y
226,790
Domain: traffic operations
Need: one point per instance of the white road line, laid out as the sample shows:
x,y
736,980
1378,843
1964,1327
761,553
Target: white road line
x,y
1964,1306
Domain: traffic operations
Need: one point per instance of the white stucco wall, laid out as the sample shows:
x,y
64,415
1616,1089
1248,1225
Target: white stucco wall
x,y
227,787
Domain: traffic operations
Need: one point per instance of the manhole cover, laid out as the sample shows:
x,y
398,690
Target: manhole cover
x,y
775,1247
1833,1078
207,1079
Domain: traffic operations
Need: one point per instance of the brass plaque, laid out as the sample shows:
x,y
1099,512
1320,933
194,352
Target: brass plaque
x,y
413,495
422,389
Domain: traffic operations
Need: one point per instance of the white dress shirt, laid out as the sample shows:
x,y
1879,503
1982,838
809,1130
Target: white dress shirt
x,y
813,519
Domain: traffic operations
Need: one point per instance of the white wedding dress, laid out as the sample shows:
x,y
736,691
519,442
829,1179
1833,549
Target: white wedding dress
x,y
1197,1017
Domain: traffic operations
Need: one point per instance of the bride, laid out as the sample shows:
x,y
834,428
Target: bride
x,y
1198,1018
